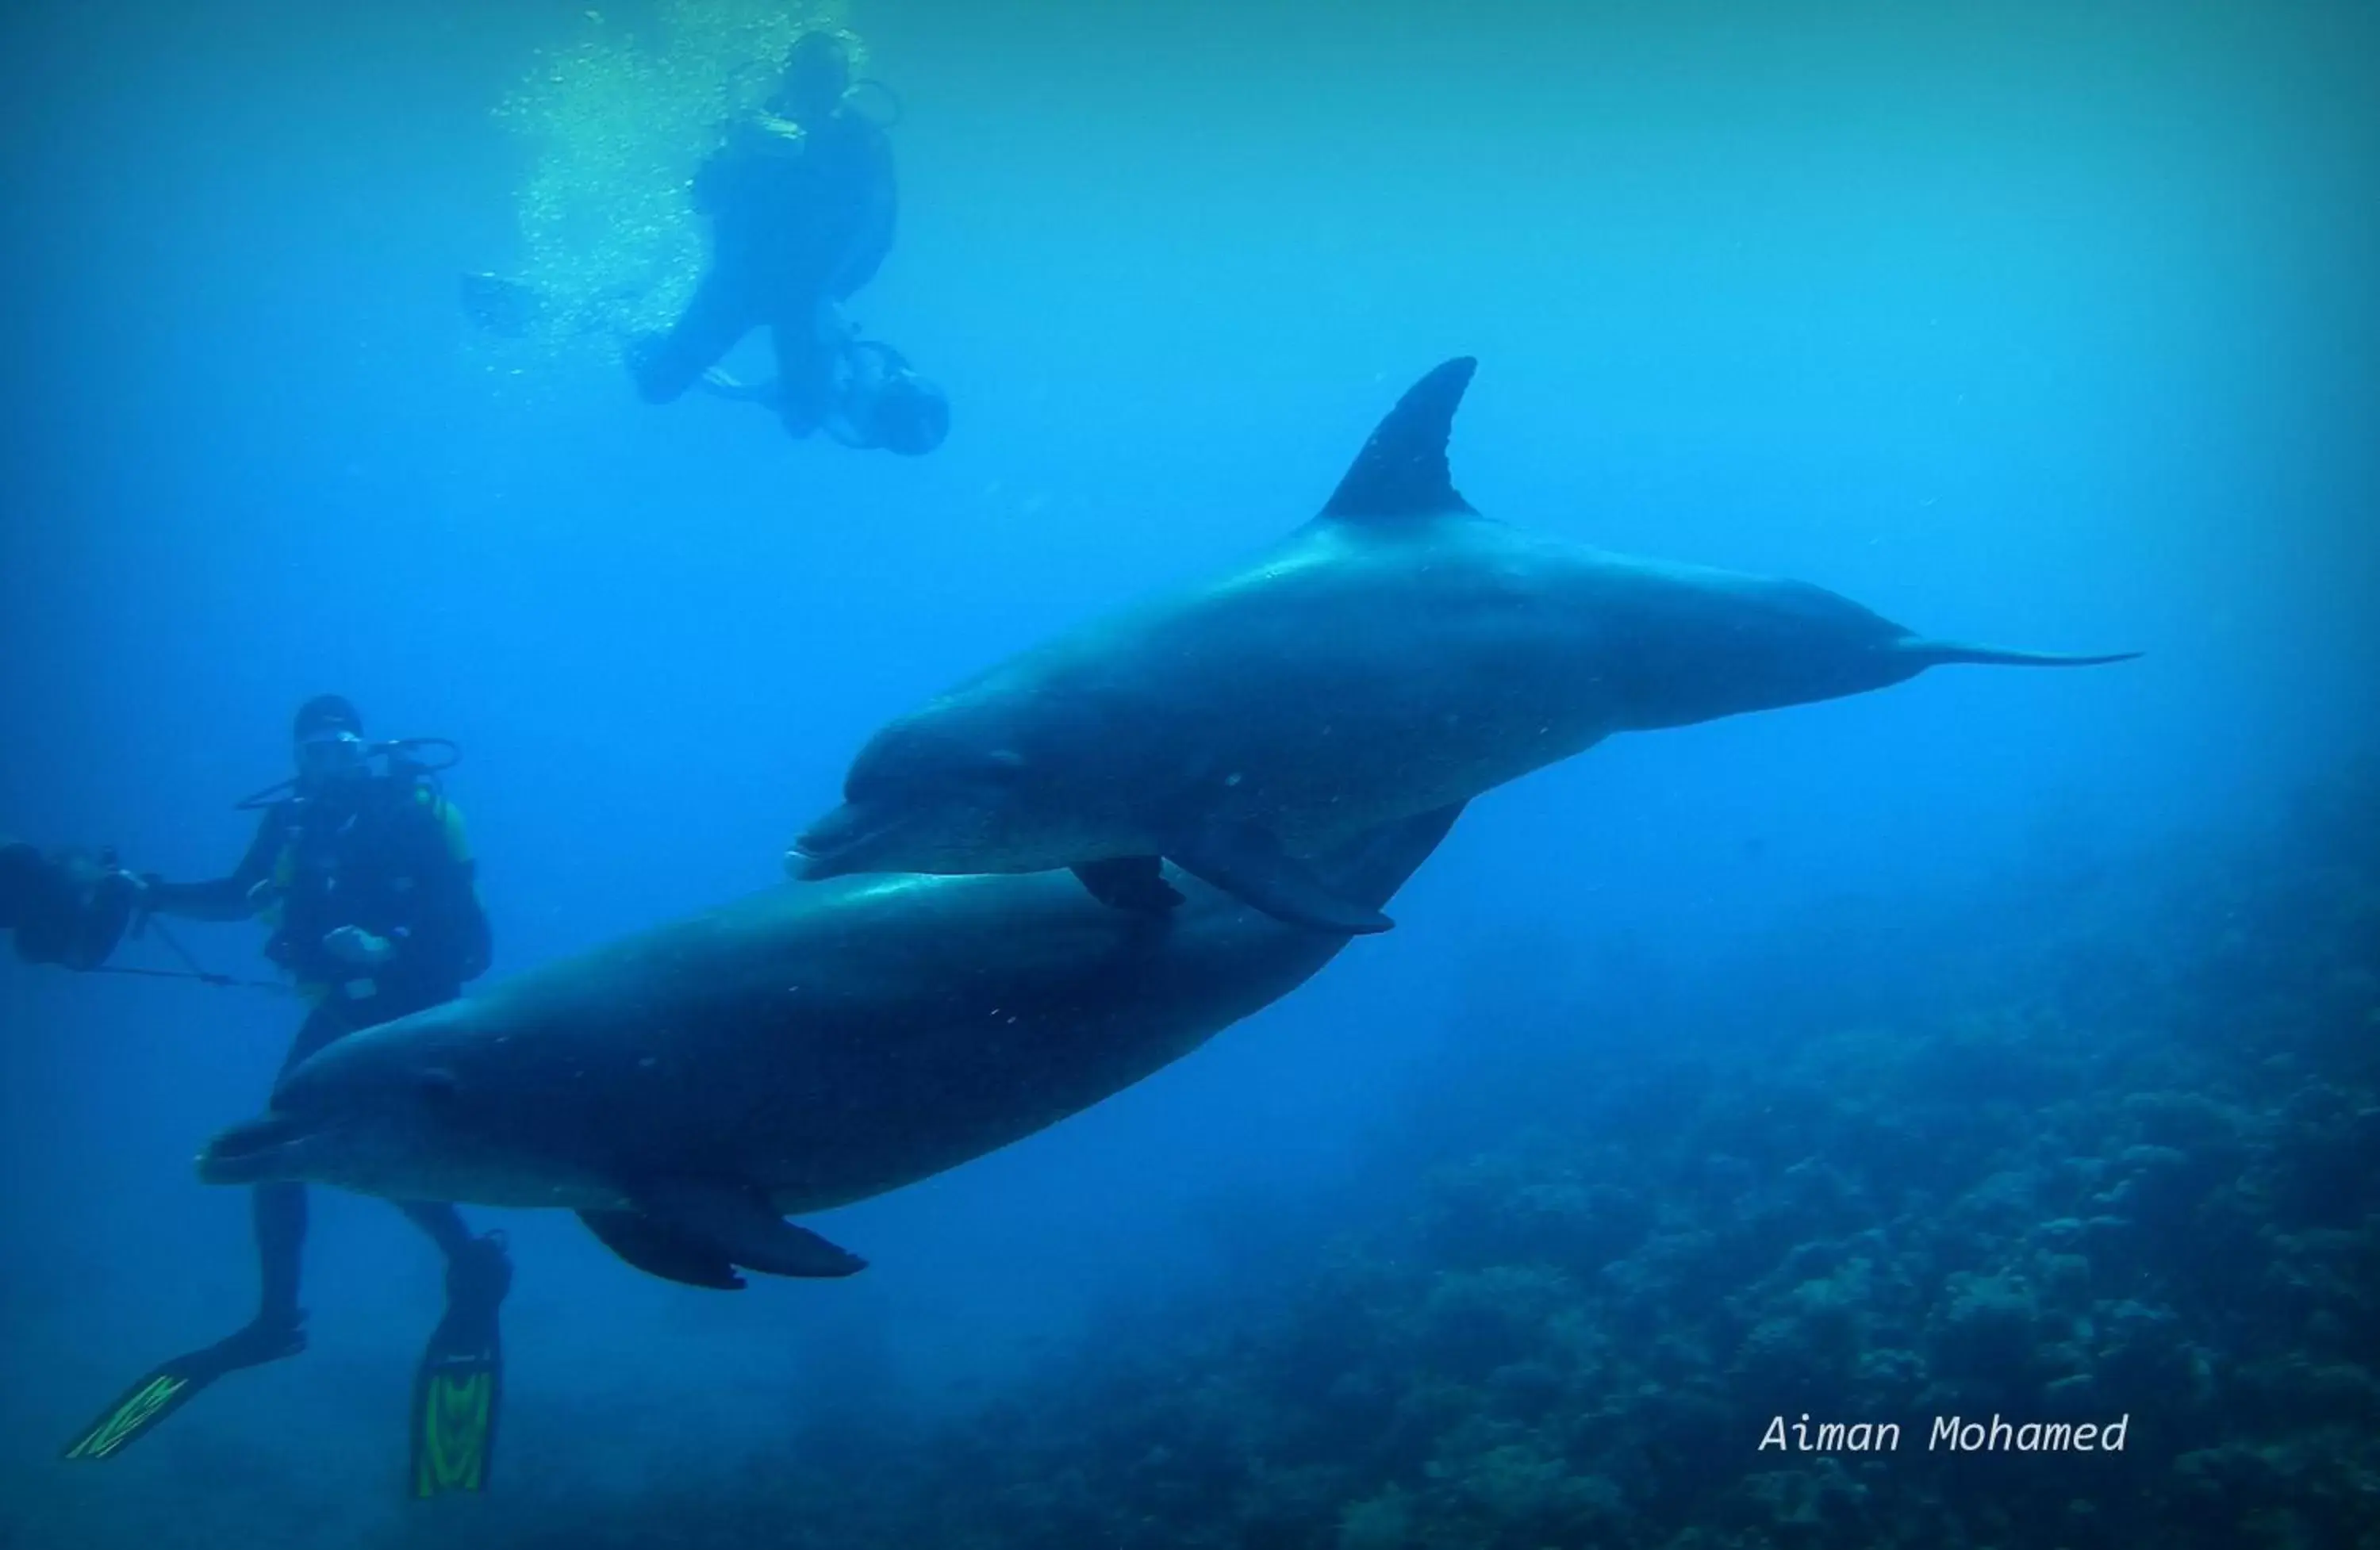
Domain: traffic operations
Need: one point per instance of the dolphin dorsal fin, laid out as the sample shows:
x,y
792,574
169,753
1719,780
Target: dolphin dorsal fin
x,y
1401,470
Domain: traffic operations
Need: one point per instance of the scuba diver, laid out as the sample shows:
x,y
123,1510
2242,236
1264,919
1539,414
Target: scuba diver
x,y
366,879
801,203
65,907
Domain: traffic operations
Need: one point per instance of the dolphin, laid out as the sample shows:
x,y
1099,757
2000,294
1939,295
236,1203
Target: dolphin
x,y
685,1089
1396,653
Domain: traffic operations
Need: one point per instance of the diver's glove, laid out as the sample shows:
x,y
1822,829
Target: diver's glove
x,y
353,944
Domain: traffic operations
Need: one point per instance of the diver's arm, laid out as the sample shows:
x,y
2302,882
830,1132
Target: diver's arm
x,y
232,898
745,139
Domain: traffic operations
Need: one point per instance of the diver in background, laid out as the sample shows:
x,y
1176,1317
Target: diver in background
x,y
367,880
801,201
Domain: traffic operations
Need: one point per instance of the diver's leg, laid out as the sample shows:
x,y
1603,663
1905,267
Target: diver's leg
x,y
325,1025
280,1212
664,366
280,1208
806,355
478,1270
278,1329
442,1221
458,1388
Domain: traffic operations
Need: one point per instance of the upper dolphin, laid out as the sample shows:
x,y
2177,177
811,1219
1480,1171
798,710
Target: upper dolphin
x,y
1398,653
799,1049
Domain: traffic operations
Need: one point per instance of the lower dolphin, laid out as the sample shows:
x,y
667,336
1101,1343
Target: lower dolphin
x,y
686,1088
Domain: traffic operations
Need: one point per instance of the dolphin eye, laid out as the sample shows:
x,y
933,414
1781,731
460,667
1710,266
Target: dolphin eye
x,y
437,1086
1003,766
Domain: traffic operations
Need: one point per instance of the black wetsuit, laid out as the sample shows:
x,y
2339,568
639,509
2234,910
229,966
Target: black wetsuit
x,y
793,226
388,857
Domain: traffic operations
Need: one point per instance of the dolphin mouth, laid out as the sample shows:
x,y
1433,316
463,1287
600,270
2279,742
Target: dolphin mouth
x,y
259,1151
834,845
805,864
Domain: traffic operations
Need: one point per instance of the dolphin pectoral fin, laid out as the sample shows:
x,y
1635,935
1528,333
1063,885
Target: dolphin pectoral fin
x,y
1401,470
740,1225
652,1248
1130,882
1249,864
1943,653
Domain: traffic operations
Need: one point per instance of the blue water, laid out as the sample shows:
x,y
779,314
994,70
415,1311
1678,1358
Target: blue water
x,y
2049,329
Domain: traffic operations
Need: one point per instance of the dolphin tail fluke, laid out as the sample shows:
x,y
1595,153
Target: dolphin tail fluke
x,y
1945,653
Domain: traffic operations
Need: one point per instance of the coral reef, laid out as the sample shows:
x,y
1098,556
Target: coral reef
x,y
2126,1163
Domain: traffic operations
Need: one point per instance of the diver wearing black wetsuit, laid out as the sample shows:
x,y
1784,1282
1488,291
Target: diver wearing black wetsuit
x,y
801,201
368,883
367,880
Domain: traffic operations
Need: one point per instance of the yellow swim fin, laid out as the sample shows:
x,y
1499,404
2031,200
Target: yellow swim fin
x,y
459,1386
158,1393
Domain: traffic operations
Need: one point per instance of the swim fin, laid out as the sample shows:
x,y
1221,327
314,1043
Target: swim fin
x,y
167,1388
460,1384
